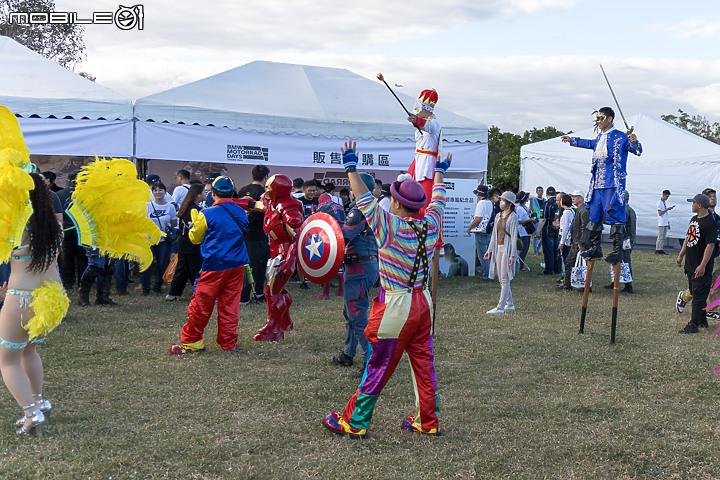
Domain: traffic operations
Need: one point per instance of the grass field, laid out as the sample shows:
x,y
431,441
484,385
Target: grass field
x,y
522,395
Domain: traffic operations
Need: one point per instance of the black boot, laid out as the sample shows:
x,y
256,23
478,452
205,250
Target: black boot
x,y
103,293
628,288
617,232
86,282
591,241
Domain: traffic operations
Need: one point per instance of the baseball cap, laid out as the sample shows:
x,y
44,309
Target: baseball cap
x,y
576,193
481,190
152,178
700,199
223,184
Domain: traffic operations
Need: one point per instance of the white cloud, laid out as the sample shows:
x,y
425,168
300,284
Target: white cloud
x,y
697,27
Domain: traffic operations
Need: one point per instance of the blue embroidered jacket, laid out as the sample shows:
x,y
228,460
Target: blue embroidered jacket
x,y
612,171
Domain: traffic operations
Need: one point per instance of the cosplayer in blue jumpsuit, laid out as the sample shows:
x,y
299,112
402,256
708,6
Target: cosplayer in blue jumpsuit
x,y
361,273
606,193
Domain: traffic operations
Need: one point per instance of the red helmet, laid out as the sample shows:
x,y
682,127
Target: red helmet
x,y
278,186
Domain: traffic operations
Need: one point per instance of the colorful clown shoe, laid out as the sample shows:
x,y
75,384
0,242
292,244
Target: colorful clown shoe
x,y
410,425
336,424
184,349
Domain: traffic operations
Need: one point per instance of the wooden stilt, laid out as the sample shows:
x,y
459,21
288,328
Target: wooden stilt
x,y
616,294
586,294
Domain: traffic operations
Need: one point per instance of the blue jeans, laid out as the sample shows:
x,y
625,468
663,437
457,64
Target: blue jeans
x,y
552,255
161,256
359,278
482,240
120,275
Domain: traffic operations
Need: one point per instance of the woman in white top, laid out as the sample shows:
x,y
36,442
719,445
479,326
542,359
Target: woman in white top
x,y
502,251
163,214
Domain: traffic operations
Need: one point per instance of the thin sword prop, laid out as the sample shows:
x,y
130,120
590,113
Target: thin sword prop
x,y
382,79
628,129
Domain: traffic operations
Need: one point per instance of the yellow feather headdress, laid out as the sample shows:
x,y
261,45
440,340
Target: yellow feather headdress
x,y
109,210
15,183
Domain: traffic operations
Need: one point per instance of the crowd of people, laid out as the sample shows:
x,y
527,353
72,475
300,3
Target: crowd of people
x,y
235,246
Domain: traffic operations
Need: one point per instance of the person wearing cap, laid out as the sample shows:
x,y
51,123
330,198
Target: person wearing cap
x,y
361,273
579,224
502,251
428,141
698,248
401,316
663,222
220,232
151,179
608,174
525,222
481,226
685,296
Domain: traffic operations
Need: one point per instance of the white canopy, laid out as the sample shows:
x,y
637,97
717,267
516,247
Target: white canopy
x,y
292,115
60,112
672,159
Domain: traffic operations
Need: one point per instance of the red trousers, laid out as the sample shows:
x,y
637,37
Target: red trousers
x,y
224,286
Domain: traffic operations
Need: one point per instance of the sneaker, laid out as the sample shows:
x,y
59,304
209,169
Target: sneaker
x,y
171,298
495,311
336,424
410,425
183,349
542,264
680,303
689,328
525,269
305,286
243,303
509,308
713,315
342,359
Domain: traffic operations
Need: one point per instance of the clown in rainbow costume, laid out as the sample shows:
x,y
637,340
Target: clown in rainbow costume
x,y
401,316
428,141
606,193
30,239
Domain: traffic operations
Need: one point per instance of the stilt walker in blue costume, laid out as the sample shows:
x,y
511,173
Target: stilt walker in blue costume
x,y
605,197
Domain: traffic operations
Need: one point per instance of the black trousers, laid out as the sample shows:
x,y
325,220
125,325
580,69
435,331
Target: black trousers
x,y
699,288
259,253
187,270
73,261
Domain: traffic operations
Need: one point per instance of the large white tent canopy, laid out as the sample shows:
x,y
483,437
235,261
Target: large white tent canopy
x,y
672,159
292,115
60,112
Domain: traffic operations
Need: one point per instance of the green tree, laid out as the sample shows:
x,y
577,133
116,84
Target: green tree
x,y
61,43
696,124
504,154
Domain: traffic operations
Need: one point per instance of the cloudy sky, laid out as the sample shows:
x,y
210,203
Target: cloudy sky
x,y
517,64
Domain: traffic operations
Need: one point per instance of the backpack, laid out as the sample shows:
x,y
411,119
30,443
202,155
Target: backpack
x,y
491,223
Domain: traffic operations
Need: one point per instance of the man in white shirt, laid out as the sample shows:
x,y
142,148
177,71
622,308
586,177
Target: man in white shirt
x,y
565,234
663,222
481,225
183,181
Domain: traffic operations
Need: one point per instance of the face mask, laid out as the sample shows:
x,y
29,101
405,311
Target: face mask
x,y
503,204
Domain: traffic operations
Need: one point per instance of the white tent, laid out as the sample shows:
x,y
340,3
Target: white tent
x,y
672,159
60,112
293,115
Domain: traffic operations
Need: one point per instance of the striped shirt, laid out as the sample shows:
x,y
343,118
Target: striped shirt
x,y
397,240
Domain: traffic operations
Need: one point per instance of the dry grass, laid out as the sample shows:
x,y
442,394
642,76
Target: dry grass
x,y
522,395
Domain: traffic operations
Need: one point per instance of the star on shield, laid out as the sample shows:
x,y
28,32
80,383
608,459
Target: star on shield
x,y
313,246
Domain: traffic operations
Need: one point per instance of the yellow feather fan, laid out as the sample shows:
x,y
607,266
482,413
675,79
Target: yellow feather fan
x,y
15,184
109,210
49,303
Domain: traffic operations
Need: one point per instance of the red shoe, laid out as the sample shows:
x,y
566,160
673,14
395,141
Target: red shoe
x,y
410,425
182,350
336,424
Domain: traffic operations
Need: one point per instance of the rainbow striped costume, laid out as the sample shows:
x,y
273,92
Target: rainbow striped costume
x,y
401,316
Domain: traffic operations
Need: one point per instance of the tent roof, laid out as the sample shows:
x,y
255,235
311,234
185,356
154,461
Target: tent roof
x,y
33,86
669,143
285,98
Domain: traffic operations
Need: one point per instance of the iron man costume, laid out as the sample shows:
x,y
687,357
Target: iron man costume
x,y
283,215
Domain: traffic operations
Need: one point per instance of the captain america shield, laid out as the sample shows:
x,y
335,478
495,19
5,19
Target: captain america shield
x,y
321,247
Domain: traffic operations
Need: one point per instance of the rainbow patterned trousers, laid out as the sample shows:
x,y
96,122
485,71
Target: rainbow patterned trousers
x,y
400,323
